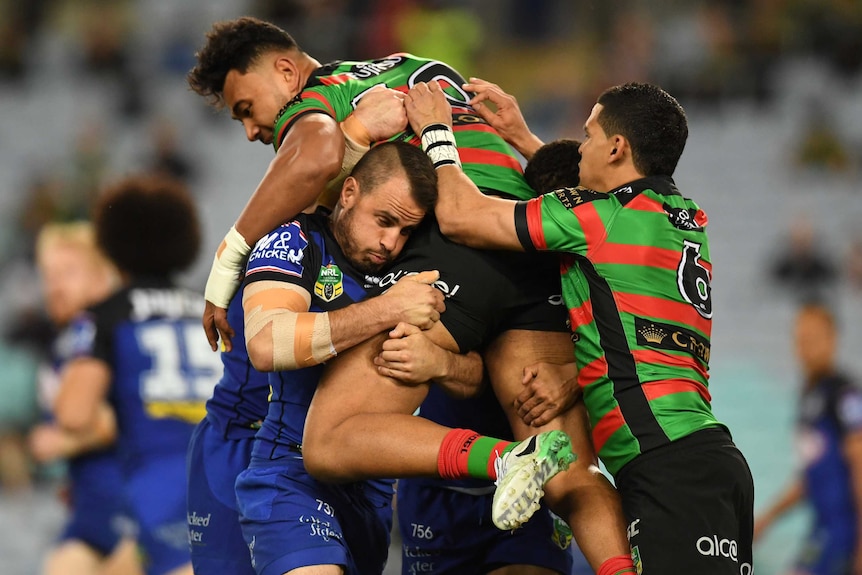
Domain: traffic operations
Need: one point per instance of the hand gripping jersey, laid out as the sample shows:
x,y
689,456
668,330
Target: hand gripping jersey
x,y
636,279
302,252
162,370
335,89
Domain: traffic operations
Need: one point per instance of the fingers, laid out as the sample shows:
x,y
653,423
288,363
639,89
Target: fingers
x,y
208,322
403,329
426,277
225,331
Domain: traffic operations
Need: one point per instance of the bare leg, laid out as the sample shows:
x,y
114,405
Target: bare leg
x,y
123,560
358,421
72,558
581,495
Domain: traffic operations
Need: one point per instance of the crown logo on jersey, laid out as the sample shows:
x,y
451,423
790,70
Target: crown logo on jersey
x,y
653,333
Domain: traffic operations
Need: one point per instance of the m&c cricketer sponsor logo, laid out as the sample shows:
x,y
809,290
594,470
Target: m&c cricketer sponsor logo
x,y
671,337
281,251
574,197
329,284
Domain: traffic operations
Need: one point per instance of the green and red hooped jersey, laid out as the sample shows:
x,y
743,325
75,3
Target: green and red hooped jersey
x,y
636,276
335,89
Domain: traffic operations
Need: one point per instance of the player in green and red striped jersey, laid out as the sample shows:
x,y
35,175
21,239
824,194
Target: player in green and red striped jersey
x,y
636,279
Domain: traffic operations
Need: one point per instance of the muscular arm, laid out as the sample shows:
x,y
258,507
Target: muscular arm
x,y
307,159
281,334
80,408
464,213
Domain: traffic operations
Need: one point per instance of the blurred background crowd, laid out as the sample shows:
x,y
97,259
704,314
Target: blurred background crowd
x,y
95,89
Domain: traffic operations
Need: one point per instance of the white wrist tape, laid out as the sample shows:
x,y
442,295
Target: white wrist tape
x,y
353,152
438,142
226,272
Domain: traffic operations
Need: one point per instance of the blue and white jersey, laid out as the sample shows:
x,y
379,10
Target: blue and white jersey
x,y
162,368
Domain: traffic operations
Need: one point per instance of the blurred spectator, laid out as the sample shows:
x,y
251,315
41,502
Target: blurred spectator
x,y
853,264
829,445
443,30
168,159
804,268
821,146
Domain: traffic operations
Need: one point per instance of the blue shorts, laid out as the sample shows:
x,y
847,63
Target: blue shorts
x,y
451,532
157,495
828,551
97,519
291,520
215,537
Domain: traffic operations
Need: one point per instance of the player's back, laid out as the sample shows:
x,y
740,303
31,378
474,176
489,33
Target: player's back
x,y
334,89
163,370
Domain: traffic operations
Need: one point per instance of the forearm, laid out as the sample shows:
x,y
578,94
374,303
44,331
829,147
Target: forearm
x,y
791,497
459,202
291,184
99,433
462,374
526,143
355,323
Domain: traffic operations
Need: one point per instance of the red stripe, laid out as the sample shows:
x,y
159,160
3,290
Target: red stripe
x,y
474,128
477,156
498,450
644,203
593,371
339,79
607,426
534,224
636,255
322,100
581,315
652,356
658,308
592,226
655,389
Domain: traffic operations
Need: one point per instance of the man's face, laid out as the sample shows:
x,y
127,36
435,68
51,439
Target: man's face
x,y
70,281
373,226
256,97
815,343
595,150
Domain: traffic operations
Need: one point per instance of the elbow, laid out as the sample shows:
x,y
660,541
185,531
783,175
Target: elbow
x,y
74,421
260,354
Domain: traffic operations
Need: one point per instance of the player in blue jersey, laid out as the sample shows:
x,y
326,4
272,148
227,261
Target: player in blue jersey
x,y
222,444
829,435
140,349
305,301
74,275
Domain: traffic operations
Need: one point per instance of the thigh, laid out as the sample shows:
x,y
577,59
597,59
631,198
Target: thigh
x,y
290,521
214,533
157,495
72,557
690,512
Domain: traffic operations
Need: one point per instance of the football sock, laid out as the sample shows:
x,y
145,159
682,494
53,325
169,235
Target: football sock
x,y
619,565
465,453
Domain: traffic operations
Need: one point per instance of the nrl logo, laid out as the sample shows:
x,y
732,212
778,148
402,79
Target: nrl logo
x,y
329,283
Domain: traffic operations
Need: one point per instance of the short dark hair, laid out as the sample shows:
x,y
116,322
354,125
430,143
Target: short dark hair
x,y
148,226
384,160
554,166
651,120
234,45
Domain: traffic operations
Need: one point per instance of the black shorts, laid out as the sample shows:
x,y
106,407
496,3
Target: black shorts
x,y
487,292
690,507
